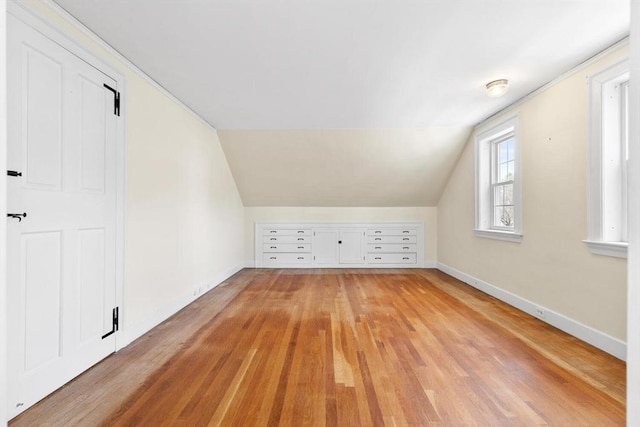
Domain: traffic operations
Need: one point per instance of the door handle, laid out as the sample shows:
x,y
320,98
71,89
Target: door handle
x,y
14,173
17,216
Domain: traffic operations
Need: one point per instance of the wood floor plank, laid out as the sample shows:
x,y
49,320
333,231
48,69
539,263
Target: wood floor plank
x,y
328,347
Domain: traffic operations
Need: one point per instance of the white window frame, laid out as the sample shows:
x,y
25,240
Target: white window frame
x,y
607,168
485,166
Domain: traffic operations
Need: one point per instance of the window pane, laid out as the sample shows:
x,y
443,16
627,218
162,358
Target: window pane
x,y
508,194
507,216
503,174
503,151
503,216
510,167
498,196
497,215
510,151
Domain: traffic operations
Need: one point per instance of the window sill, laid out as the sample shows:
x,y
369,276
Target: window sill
x,y
507,236
614,249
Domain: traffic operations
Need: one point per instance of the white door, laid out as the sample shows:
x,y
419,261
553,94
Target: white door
x,y
325,246
61,256
352,245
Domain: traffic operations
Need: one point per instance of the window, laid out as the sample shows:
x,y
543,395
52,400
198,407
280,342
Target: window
x,y
498,213
608,158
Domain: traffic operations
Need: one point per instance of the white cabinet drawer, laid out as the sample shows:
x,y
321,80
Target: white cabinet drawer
x,y
391,239
287,239
392,232
275,259
287,232
387,247
286,247
391,258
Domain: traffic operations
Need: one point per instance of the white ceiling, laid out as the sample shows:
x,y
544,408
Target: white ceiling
x,y
349,102
318,64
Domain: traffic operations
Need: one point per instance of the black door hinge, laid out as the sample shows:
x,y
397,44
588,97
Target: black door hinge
x,y
114,324
116,99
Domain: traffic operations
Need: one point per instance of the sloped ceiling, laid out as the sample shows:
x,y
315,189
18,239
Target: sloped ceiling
x,y
385,70
377,167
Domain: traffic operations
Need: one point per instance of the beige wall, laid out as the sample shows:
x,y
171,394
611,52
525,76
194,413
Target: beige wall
x,y
184,215
551,266
336,214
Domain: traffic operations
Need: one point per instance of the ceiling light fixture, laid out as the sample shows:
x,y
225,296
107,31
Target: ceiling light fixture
x,y
497,88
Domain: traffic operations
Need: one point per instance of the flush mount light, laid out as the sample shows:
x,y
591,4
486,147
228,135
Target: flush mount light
x,y
497,88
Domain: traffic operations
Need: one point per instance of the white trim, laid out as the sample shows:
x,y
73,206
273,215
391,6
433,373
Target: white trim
x,y
3,214
506,236
133,332
613,249
586,333
597,57
633,264
483,138
71,20
604,189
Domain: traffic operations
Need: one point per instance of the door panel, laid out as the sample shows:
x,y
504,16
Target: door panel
x,y
61,257
92,135
352,248
42,79
325,247
92,283
41,262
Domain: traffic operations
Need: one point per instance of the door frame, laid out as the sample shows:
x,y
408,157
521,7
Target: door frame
x,y
38,18
3,213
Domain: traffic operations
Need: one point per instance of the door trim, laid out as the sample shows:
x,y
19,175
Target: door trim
x,y
35,19
3,212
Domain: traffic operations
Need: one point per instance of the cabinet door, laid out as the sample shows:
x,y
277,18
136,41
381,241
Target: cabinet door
x,y
352,246
325,246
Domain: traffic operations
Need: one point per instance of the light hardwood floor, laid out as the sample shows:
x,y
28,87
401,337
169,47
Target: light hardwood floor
x,y
345,348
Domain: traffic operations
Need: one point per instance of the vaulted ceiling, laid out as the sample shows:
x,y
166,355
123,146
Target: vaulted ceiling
x,y
403,76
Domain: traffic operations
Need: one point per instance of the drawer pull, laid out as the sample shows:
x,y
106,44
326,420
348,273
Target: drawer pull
x,y
273,238
405,257
301,232
377,232
273,247
300,238
300,247
273,257
300,257
405,238
273,232
405,232
378,247
377,257
378,238
405,247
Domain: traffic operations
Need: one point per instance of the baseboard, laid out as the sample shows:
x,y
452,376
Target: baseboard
x,y
426,264
132,332
598,339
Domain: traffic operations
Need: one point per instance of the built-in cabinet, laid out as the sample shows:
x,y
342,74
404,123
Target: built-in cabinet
x,y
339,246
300,245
